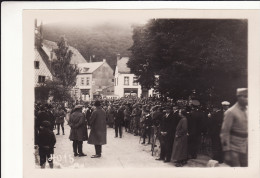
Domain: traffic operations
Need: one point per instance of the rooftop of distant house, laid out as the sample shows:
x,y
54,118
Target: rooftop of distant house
x,y
89,67
76,57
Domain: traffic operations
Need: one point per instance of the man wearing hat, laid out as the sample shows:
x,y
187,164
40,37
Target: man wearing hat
x,y
47,141
98,133
234,132
78,132
215,124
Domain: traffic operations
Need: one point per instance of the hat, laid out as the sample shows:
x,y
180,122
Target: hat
x,y
46,124
241,91
78,106
225,103
97,103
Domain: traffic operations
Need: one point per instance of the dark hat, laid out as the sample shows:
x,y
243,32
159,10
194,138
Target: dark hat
x,y
46,124
97,103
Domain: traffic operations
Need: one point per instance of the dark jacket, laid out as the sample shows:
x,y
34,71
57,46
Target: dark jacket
x,y
215,122
98,133
157,117
119,116
78,127
46,141
194,120
59,115
168,126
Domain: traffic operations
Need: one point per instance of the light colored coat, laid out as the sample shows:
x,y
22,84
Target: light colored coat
x,y
234,129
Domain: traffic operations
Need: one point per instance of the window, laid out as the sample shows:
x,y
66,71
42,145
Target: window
x,y
126,81
41,79
87,81
36,64
135,81
115,81
85,69
112,80
82,81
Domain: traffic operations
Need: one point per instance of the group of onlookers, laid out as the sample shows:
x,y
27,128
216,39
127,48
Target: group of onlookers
x,y
178,127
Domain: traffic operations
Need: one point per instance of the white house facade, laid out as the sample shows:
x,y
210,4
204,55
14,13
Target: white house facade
x,y
125,82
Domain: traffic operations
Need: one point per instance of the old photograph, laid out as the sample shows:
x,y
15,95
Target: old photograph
x,y
137,89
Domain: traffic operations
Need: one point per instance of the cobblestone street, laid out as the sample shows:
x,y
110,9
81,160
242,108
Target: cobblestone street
x,y
125,152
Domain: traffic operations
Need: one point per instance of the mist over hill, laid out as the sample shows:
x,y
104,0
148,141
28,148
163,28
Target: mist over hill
x,y
104,40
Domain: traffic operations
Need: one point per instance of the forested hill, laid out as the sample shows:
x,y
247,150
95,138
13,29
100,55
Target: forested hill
x,y
104,41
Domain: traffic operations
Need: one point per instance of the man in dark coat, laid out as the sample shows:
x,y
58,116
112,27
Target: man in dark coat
x,y
78,132
60,115
98,133
46,142
119,117
194,131
166,136
43,116
215,124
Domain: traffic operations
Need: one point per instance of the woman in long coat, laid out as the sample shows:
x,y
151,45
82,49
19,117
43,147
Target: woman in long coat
x,y
98,133
180,145
78,132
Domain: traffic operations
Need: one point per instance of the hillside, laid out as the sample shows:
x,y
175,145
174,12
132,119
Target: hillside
x,y
103,40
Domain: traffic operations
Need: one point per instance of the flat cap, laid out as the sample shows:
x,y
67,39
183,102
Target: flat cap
x,y
241,91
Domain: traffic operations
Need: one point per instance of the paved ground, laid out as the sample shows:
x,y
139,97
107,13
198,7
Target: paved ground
x,y
123,152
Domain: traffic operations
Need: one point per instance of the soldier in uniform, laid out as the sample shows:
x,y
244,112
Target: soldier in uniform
x,y
234,132
147,124
137,115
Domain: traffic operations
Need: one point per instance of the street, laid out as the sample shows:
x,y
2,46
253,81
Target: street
x,y
125,152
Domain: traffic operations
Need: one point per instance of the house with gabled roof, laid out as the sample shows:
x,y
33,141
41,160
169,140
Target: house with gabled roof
x,y
95,80
125,81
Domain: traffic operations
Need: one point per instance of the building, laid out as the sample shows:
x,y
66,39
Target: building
x,y
125,82
42,68
95,80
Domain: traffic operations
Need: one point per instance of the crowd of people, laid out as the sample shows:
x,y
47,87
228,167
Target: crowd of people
x,y
180,127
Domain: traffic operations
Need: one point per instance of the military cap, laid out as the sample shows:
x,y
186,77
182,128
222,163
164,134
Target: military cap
x,y
241,91
78,106
225,103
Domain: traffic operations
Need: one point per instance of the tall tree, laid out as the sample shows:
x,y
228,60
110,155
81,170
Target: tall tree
x,y
209,56
64,72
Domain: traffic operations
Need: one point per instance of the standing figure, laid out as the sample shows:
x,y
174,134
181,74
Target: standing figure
x,y
98,133
46,142
127,119
60,114
180,145
110,116
78,132
194,131
215,123
234,132
137,115
119,117
166,136
147,124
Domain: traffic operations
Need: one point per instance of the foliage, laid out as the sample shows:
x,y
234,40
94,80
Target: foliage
x,y
104,41
209,56
41,93
62,69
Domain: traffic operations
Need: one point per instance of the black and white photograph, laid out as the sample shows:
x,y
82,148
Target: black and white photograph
x,y
142,89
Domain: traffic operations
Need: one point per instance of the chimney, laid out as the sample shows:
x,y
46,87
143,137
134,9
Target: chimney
x,y
104,60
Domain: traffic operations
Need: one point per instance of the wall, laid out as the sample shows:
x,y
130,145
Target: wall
x,y
102,78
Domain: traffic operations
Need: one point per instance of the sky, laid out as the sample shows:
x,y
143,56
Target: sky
x,y
73,17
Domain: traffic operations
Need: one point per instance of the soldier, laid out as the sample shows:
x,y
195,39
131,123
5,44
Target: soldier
x,y
137,115
147,124
234,132
215,123
119,117
60,114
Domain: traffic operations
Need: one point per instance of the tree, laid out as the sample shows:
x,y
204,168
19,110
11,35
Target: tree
x,y
208,56
64,72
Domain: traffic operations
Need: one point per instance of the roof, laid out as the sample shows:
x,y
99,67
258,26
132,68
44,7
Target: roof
x,y
122,65
39,53
89,67
76,57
